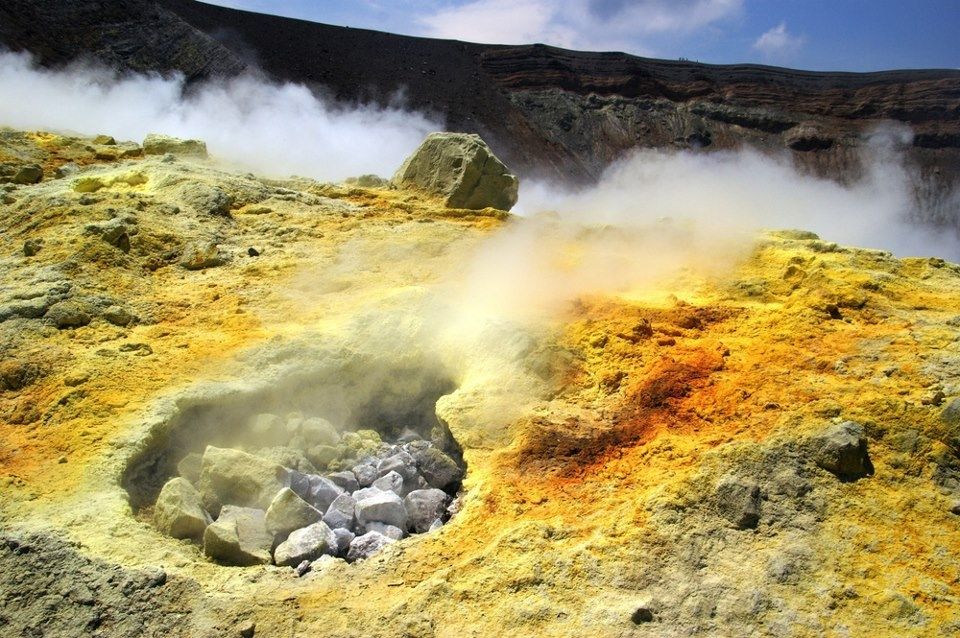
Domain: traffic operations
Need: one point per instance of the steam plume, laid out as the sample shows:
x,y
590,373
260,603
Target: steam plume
x,y
272,129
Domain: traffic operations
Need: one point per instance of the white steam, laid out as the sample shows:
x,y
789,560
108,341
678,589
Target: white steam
x,y
657,216
722,196
249,123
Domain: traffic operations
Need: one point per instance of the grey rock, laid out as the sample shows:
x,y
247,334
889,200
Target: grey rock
x,y
390,482
738,501
232,477
842,450
435,525
178,511
424,507
344,537
346,479
288,512
198,255
385,507
367,545
308,543
438,469
341,513
156,144
239,536
317,490
68,314
366,474
189,467
389,531
118,316
462,170
405,465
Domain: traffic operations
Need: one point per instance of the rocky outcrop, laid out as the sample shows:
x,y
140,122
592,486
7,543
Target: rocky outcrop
x,y
545,111
462,170
157,144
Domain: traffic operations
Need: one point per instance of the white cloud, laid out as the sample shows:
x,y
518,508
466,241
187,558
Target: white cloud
x,y
579,24
500,21
778,43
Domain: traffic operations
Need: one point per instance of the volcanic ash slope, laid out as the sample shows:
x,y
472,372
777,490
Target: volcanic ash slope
x,y
771,452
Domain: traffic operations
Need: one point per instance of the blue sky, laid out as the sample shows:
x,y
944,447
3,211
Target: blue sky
x,y
849,35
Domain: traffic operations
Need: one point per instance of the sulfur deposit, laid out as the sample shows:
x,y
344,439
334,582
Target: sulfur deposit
x,y
187,353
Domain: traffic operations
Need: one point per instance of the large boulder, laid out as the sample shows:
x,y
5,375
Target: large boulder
x,y
842,450
308,543
233,477
462,170
178,511
288,512
239,537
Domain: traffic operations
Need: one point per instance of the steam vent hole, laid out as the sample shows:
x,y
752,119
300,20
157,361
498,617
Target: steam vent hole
x,y
337,464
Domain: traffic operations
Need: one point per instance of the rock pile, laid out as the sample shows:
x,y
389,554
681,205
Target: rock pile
x,y
273,504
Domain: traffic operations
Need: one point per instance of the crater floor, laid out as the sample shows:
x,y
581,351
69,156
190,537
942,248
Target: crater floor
x,y
647,463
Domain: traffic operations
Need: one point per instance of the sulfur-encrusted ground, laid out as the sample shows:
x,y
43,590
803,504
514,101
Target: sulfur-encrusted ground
x,y
595,439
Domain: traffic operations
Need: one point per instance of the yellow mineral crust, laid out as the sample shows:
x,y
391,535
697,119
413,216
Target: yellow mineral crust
x,y
593,502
